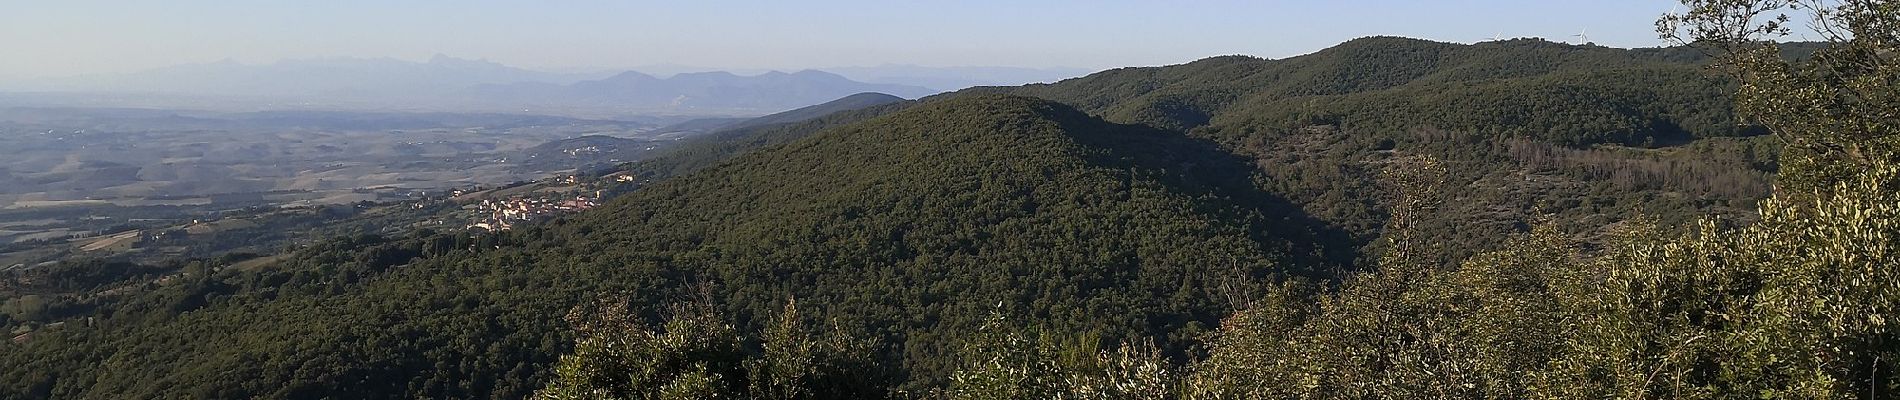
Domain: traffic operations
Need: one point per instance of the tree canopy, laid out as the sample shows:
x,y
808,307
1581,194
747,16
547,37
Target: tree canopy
x,y
1390,218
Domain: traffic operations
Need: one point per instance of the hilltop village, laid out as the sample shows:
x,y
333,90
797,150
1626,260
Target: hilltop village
x,y
504,208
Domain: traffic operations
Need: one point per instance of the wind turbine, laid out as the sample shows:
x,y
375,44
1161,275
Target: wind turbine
x,y
1498,37
1583,37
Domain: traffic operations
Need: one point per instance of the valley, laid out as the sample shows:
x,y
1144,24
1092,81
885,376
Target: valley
x,y
155,184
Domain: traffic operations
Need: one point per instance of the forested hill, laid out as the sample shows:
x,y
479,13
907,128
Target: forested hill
x,y
909,228
1127,205
1527,87
1533,129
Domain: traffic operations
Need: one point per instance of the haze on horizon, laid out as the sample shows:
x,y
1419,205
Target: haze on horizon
x,y
67,38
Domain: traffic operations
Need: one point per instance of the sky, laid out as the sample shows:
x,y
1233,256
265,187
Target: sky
x,y
40,38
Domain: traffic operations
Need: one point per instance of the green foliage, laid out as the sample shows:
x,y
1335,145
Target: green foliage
x,y
698,354
1834,109
1473,332
80,275
695,355
1006,363
1796,305
798,363
1793,306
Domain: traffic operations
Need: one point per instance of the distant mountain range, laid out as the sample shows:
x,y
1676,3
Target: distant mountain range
x,y
446,83
956,78
594,152
847,103
768,92
940,78
321,78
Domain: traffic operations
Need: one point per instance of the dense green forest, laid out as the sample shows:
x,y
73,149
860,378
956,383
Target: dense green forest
x,y
1389,218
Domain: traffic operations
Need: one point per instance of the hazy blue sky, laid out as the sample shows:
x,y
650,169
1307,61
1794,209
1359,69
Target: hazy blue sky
x,y
67,37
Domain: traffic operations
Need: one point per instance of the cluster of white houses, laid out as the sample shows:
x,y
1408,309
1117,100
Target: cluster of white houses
x,y
498,215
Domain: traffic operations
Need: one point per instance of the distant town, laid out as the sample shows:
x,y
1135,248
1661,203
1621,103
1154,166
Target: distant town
x,y
504,208
503,214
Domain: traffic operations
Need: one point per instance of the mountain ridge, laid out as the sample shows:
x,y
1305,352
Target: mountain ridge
x,y
700,90
445,83
1191,94
595,152
316,76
